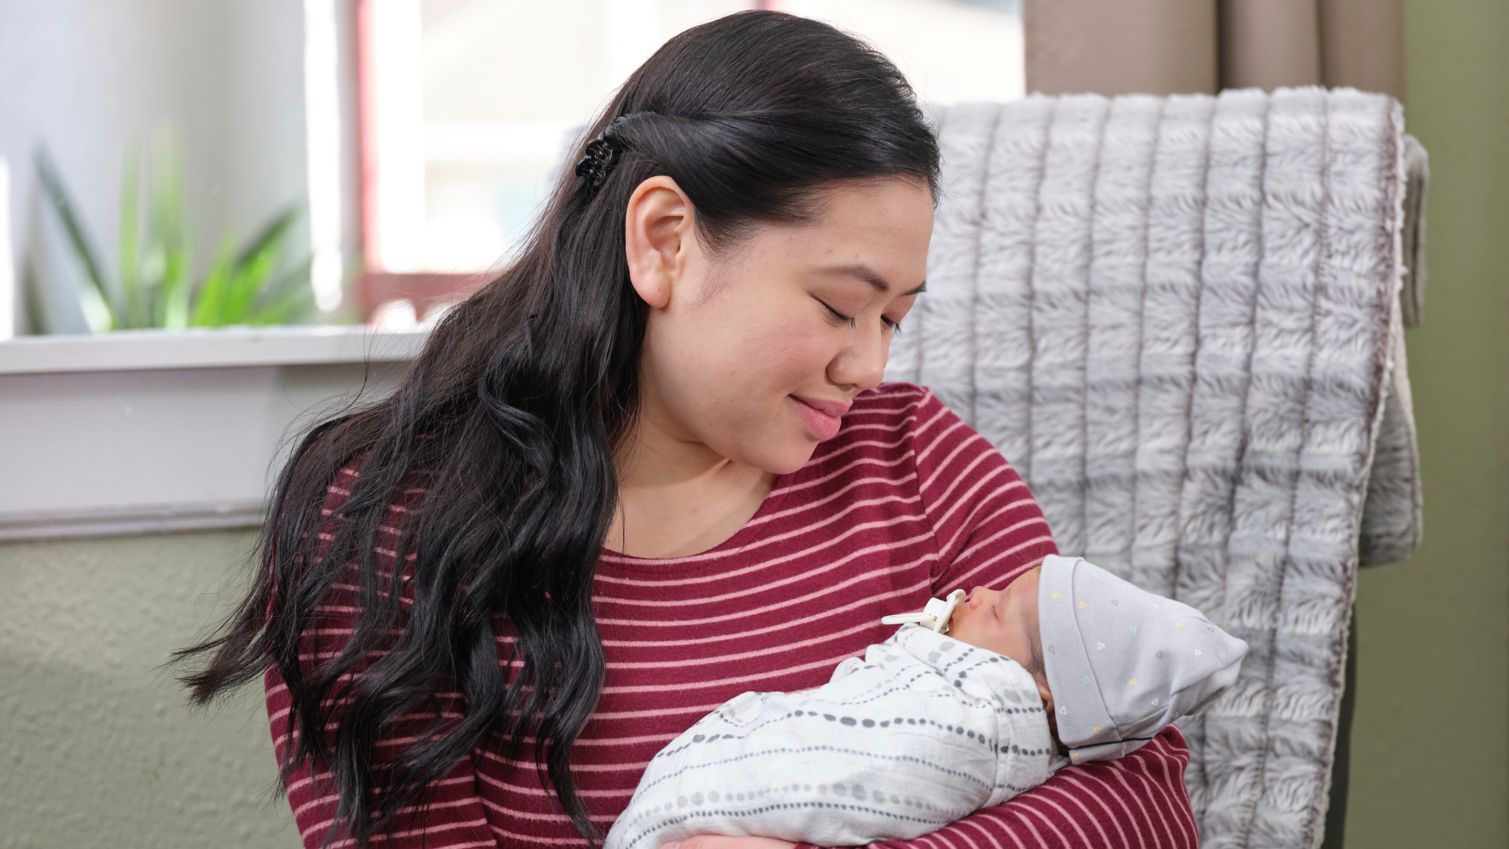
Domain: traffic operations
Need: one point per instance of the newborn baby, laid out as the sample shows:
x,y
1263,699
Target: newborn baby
x,y
976,699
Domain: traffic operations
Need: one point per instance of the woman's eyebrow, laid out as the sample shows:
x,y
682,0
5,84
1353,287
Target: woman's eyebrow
x,y
868,275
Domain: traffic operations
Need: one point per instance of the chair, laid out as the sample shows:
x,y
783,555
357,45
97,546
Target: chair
x,y
1180,319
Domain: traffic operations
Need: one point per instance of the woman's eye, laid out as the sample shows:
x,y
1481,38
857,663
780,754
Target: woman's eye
x,y
849,320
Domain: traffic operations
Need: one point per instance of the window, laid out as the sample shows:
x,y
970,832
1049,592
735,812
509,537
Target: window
x,y
468,105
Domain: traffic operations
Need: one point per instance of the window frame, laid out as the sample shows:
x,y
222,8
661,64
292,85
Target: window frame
x,y
376,285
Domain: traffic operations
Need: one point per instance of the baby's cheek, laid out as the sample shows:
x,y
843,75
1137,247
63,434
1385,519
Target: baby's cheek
x,y
962,625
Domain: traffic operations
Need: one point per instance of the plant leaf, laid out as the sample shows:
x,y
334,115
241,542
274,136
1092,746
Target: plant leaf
x,y
82,244
170,241
254,265
289,300
137,311
211,292
97,312
174,303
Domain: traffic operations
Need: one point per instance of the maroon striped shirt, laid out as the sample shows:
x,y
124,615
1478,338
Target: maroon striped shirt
x,y
906,503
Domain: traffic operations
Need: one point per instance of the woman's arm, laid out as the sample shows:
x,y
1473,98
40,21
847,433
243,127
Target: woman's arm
x,y
1135,802
452,817
989,530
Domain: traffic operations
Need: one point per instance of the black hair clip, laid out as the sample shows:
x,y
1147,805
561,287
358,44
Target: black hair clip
x,y
602,154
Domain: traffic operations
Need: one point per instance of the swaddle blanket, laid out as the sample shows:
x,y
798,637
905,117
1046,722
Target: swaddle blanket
x,y
920,733
1178,317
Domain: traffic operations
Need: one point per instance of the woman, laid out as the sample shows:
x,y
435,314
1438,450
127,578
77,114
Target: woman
x,y
658,443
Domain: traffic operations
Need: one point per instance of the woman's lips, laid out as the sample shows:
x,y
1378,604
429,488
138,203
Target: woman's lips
x,y
836,409
821,425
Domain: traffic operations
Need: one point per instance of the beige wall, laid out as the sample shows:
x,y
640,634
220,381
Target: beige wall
x,y
97,746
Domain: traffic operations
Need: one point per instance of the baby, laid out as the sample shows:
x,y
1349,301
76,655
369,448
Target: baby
x,y
979,697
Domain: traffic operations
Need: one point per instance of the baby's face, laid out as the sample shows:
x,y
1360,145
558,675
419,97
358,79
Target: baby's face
x,y
1005,622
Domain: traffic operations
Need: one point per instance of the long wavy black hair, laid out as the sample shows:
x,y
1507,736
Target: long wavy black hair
x,y
516,406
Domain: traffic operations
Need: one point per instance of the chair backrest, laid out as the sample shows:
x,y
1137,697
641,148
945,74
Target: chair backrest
x,y
1178,318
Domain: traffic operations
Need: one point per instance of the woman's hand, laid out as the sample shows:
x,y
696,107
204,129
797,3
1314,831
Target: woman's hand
x,y
717,841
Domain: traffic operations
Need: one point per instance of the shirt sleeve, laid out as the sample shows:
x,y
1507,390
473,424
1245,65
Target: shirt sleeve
x,y
1135,802
990,530
988,526
452,817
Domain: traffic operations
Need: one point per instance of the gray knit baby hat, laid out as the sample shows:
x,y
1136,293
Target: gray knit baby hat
x,y
1123,662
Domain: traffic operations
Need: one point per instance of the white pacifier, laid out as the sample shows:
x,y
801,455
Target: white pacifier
x,y
935,615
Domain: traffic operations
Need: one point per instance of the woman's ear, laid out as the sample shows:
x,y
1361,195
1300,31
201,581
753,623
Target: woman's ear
x,y
657,238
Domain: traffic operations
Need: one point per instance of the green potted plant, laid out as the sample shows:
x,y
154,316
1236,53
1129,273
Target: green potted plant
x,y
152,287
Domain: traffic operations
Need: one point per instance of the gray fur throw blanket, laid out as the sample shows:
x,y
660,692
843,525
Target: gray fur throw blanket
x,y
1179,318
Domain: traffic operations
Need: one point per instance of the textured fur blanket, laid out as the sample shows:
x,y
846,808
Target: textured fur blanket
x,y
1179,318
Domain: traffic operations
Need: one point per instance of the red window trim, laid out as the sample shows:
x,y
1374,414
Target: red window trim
x,y
376,285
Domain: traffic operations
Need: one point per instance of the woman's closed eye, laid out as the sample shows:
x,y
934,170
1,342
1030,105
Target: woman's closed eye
x,y
849,320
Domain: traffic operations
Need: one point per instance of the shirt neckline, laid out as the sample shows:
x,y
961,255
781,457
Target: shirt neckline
x,y
747,533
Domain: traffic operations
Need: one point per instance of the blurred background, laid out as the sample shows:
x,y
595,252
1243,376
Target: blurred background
x,y
412,140
208,208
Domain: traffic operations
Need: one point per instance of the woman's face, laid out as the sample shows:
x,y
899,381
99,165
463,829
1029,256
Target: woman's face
x,y
731,343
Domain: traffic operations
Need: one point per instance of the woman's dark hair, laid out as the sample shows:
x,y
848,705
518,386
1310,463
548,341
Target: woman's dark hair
x,y
514,409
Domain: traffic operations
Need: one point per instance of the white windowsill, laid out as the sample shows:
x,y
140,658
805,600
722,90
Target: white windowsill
x,y
144,350
151,431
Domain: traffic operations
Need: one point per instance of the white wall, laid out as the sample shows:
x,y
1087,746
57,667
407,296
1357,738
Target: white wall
x,y
85,77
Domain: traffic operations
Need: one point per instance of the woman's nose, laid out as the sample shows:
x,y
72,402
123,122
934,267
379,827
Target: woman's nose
x,y
863,366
